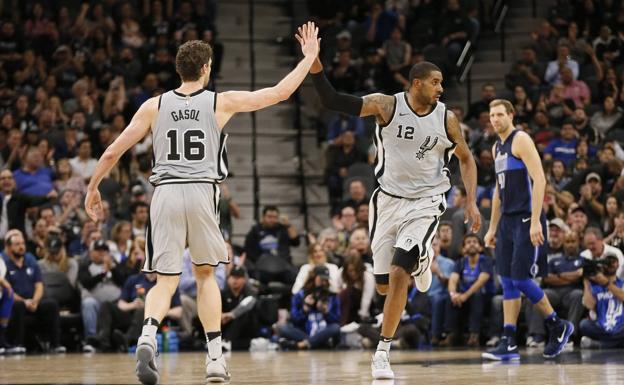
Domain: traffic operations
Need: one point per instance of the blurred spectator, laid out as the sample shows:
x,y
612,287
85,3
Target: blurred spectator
x,y
608,118
37,242
361,215
140,216
563,148
397,51
120,245
612,209
228,209
342,123
441,269
591,198
100,284
328,239
33,178
604,294
455,29
345,224
357,194
558,108
119,324
583,127
15,204
616,238
607,46
575,90
553,71
83,164
577,219
471,286
24,276
55,258
523,105
597,249
562,286
544,41
315,314
488,93
560,14
359,242
445,236
6,304
239,322
343,74
557,175
375,76
357,292
379,24
133,263
268,243
317,257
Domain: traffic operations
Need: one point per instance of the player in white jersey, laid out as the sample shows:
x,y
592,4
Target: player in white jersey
x,y
189,157
415,137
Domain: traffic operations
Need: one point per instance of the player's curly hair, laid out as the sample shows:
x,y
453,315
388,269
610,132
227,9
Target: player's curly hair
x,y
190,59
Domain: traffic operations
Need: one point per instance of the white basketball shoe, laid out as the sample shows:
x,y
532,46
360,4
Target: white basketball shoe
x,y
146,368
380,366
216,370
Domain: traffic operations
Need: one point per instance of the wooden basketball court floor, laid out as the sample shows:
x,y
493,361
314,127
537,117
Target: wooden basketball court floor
x,y
335,367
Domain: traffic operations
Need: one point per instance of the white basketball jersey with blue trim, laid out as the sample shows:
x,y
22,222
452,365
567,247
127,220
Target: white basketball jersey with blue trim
x,y
413,152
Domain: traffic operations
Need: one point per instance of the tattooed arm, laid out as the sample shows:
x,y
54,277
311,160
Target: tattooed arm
x,y
378,105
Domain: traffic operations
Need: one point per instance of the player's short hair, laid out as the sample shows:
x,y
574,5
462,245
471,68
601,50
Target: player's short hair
x,y
503,102
190,59
422,70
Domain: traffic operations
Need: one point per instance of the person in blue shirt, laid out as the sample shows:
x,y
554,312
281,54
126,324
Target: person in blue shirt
x,y
471,287
120,323
24,276
34,178
341,123
563,148
563,287
314,315
604,294
441,268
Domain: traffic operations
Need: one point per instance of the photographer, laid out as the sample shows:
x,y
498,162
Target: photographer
x,y
604,294
55,257
315,314
598,249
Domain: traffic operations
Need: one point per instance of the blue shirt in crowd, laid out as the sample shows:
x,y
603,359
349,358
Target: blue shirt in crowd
x,y
446,266
468,275
562,150
563,264
313,321
609,309
137,281
23,279
38,183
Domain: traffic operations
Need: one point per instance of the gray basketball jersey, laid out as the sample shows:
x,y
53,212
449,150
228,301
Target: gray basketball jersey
x,y
188,144
413,152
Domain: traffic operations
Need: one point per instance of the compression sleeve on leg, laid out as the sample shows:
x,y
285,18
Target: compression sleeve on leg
x,y
510,291
533,292
333,100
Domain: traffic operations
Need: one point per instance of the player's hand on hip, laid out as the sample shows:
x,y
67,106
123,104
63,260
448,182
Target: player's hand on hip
x,y
537,236
93,205
307,36
472,214
490,239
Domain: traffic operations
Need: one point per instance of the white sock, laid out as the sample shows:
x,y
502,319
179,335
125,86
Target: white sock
x,y
150,328
214,346
384,344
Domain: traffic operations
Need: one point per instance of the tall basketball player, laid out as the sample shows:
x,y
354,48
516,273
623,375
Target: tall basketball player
x,y
190,160
415,137
518,216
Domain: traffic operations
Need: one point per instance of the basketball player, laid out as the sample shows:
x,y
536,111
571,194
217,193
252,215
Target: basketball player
x,y
415,137
190,160
520,249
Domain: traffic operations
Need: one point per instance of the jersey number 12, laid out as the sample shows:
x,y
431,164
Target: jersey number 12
x,y
192,146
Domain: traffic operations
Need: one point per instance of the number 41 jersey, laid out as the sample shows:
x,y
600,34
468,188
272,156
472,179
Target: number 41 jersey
x,y
188,144
413,152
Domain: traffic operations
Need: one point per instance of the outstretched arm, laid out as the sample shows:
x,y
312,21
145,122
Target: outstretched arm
x,y
468,169
231,102
378,105
136,130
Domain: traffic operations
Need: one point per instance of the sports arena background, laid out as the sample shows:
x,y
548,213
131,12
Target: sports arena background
x,y
73,73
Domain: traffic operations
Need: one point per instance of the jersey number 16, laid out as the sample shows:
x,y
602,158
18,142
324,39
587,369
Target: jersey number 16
x,y
193,147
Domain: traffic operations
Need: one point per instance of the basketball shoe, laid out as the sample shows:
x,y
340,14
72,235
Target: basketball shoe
x,y
146,369
558,336
422,274
216,369
380,366
503,351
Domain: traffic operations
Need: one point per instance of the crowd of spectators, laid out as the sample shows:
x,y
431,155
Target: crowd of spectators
x,y
72,76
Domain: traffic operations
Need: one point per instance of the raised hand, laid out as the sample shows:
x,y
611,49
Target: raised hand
x,y
307,36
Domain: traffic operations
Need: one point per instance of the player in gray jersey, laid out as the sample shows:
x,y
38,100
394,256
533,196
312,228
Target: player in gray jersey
x,y
415,137
189,150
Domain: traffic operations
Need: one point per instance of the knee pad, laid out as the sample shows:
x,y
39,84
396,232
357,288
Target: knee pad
x,y
510,291
407,259
533,292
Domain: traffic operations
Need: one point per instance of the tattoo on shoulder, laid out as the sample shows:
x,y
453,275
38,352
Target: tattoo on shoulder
x,y
380,105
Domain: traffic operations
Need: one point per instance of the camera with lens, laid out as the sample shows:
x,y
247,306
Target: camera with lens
x,y
591,267
54,242
320,294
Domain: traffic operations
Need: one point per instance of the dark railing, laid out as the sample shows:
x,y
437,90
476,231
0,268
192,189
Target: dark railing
x,y
254,127
499,13
297,9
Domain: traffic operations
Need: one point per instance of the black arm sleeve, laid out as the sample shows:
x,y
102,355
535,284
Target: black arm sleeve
x,y
333,100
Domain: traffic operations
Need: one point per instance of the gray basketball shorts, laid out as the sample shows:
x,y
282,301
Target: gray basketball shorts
x,y
402,222
184,214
